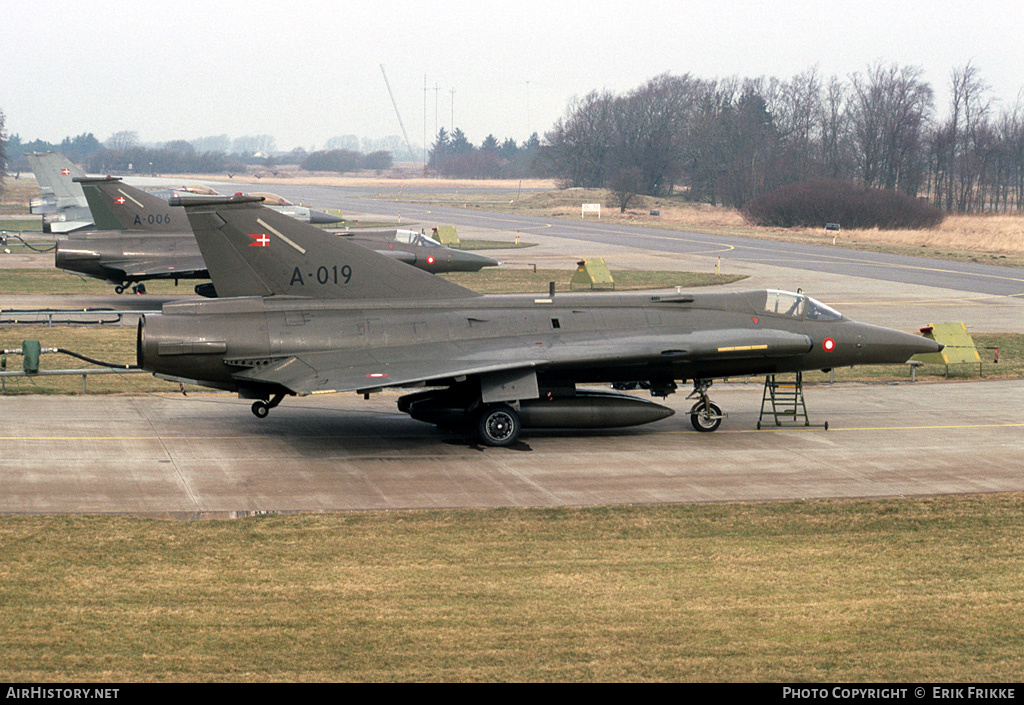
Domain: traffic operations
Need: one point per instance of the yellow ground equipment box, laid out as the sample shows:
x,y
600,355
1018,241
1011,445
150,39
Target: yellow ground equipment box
x,y
593,273
959,346
446,235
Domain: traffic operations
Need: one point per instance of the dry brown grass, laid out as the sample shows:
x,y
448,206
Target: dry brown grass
x,y
995,239
825,591
982,233
16,195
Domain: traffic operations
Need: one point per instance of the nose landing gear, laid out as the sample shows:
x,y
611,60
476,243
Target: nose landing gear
x,y
705,416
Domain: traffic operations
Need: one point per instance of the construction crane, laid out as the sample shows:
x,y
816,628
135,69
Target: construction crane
x,y
397,114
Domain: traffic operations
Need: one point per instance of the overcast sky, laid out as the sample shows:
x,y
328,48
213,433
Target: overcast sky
x,y
305,70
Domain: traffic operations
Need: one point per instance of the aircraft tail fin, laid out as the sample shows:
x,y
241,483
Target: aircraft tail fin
x,y
54,173
123,207
251,250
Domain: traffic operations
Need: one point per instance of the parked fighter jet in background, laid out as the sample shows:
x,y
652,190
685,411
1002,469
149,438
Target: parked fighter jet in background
x,y
139,237
142,237
61,203
318,315
271,200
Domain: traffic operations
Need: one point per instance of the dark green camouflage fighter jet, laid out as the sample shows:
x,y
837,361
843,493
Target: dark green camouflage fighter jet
x,y
303,314
140,237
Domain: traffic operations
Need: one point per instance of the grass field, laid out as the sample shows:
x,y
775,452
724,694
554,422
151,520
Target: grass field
x,y
16,196
891,590
54,281
34,225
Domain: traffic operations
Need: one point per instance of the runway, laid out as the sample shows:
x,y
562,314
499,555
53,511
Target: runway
x,y
205,455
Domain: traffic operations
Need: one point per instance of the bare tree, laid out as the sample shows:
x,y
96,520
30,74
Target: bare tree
x,y
968,114
798,119
889,111
650,131
1011,135
626,185
123,140
213,143
579,145
251,145
751,139
349,142
705,144
835,134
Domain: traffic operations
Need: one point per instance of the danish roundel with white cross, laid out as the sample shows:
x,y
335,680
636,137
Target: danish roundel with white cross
x,y
260,240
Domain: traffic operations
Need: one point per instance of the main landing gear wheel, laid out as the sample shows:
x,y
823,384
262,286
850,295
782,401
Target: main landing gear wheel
x,y
499,426
706,417
262,407
119,289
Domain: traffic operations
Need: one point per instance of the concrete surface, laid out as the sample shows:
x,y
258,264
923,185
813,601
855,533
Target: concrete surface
x,y
207,456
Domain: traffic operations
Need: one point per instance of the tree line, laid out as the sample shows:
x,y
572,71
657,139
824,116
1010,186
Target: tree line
x,y
720,141
729,141
453,156
122,152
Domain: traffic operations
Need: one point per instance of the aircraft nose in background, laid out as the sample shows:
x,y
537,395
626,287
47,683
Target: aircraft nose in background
x,y
470,261
320,218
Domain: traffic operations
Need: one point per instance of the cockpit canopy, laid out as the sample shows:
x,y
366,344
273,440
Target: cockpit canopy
x,y
272,199
411,237
786,303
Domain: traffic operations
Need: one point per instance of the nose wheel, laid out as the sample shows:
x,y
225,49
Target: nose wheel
x,y
705,416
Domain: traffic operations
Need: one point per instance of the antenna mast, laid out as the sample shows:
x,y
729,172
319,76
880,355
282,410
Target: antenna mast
x,y
400,123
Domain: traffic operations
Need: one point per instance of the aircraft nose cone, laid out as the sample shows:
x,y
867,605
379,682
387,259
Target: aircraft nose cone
x,y
320,218
895,346
470,261
927,345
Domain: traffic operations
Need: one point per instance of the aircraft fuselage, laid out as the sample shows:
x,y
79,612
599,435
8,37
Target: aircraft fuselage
x,y
579,338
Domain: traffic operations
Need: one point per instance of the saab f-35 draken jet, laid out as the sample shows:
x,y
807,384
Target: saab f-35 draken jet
x,y
309,315
61,202
141,237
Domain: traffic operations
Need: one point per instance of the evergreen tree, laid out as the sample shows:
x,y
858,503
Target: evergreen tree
x,y
440,151
460,145
490,144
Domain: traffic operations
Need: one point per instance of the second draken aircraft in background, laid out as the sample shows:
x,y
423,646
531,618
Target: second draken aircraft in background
x,y
140,237
61,202
309,315
64,207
